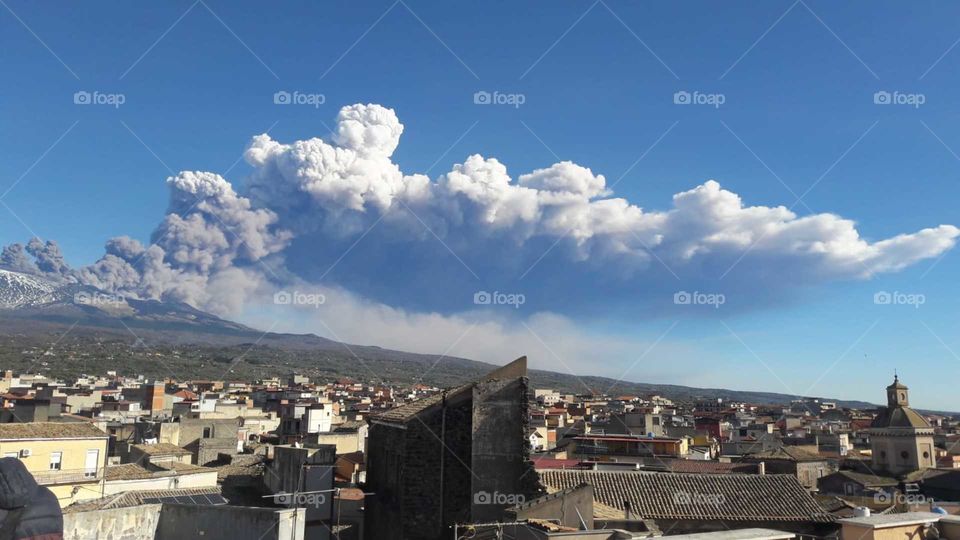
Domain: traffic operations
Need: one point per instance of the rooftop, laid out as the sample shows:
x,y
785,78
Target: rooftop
x,y
161,449
51,430
869,480
207,495
411,410
739,534
737,497
884,521
787,453
899,417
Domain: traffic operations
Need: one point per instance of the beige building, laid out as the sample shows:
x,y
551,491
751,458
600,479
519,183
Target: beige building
x,y
901,440
907,526
67,457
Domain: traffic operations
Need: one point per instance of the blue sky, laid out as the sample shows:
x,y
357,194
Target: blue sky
x,y
598,81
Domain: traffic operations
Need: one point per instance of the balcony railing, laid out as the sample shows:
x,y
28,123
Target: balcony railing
x,y
67,476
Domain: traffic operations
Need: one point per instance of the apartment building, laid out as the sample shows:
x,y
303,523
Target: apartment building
x,y
67,457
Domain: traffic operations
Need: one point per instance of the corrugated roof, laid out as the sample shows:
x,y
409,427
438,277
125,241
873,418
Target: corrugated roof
x,y
737,497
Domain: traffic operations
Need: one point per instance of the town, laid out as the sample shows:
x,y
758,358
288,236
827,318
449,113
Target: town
x,y
294,458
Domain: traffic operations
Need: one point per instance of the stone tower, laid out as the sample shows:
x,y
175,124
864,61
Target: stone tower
x,y
900,438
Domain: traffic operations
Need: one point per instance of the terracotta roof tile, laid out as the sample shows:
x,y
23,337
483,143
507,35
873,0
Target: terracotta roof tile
x,y
160,449
735,497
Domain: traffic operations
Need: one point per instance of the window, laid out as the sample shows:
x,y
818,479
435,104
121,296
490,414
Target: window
x,y
905,454
56,459
206,433
91,463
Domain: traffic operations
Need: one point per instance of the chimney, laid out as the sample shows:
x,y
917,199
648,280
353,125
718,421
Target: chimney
x,y
627,511
761,468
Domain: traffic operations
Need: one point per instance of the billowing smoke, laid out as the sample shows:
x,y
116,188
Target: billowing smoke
x,y
15,258
38,258
340,211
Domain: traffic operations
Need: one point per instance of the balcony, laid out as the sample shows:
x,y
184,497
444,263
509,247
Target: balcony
x,y
67,476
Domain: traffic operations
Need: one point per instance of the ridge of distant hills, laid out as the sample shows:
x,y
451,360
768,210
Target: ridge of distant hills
x,y
65,330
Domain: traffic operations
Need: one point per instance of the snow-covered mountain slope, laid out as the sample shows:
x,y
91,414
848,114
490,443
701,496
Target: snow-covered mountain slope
x,y
37,298
21,290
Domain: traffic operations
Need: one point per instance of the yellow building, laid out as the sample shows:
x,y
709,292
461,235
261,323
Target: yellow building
x,y
67,457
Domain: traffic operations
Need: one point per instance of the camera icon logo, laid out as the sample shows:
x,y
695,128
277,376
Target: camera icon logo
x,y
82,298
281,98
882,98
882,498
482,98
82,98
482,298
482,497
882,298
282,298
681,98
682,298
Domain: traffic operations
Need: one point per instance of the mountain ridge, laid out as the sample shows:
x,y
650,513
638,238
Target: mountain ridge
x,y
33,309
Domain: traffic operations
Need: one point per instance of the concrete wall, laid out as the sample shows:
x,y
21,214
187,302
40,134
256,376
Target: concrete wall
x,y
135,523
909,532
346,442
447,464
949,528
565,509
500,450
303,470
181,521
414,499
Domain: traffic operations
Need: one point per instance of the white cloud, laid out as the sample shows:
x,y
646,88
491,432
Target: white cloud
x,y
308,201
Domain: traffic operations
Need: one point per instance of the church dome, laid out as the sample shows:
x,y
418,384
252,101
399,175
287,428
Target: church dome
x,y
893,417
898,413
